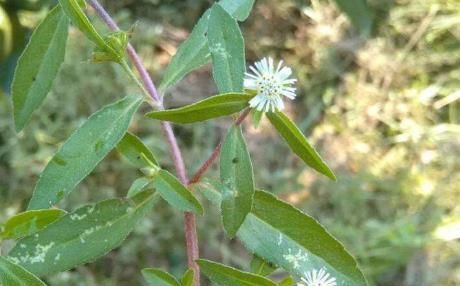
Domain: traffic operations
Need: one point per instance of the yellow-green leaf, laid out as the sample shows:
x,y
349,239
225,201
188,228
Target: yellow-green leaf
x,y
212,107
29,222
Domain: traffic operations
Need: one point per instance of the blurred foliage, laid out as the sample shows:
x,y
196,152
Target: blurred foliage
x,y
384,111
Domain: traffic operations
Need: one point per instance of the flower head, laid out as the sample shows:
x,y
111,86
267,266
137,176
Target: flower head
x,y
270,84
318,278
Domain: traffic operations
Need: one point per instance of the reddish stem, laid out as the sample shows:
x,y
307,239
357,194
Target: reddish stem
x,y
215,154
175,153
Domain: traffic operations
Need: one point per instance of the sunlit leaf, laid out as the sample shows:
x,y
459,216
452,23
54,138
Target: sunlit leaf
x,y
212,107
14,275
261,267
227,50
237,179
158,277
187,278
82,151
38,66
28,223
288,281
133,149
288,238
227,276
298,143
175,193
81,236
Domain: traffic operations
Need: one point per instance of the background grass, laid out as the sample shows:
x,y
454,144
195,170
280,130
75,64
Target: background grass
x,y
383,111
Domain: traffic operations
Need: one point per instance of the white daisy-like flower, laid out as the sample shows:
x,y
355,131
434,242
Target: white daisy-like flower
x,y
318,278
270,84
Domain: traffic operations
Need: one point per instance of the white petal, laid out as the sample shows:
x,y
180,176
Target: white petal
x,y
250,84
284,73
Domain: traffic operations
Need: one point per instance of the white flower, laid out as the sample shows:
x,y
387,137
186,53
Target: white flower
x,y
317,278
271,85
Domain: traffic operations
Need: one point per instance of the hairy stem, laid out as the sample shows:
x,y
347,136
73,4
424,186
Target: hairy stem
x,y
174,150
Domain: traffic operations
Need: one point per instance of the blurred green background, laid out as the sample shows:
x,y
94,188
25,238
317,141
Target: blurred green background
x,y
382,109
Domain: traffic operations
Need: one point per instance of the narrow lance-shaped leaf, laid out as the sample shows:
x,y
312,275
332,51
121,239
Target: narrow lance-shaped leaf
x,y
288,281
81,236
283,235
194,52
191,54
227,50
239,9
187,278
82,151
175,193
359,13
209,108
38,66
227,276
298,143
133,149
158,277
28,223
75,11
237,180
14,275
138,186
261,267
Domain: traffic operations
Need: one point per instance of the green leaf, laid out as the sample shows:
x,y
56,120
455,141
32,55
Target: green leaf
x,y
138,186
239,9
38,66
191,54
194,51
261,267
133,149
288,281
187,278
227,276
81,236
283,235
28,223
14,275
359,14
237,180
298,143
212,107
158,277
82,151
227,50
209,191
75,11
175,193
